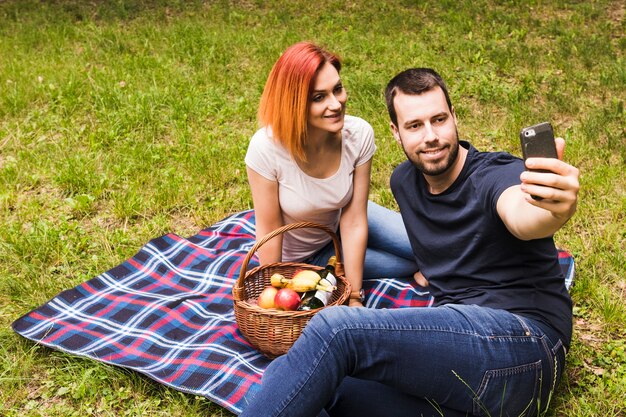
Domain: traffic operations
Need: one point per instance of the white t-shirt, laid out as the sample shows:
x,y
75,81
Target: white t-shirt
x,y
304,198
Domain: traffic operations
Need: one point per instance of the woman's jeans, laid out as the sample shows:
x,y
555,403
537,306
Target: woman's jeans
x,y
388,252
452,360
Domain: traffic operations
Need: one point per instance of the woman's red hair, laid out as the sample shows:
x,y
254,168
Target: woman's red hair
x,y
284,104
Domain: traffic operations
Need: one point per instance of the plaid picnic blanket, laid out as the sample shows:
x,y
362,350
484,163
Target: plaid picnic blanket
x,y
167,313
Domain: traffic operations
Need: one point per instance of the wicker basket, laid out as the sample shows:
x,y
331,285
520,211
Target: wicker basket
x,y
271,331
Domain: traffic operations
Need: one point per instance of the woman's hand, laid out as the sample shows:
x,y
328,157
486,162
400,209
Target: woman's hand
x,y
355,303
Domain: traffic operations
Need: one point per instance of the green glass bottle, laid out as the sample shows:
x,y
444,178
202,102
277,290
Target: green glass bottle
x,y
319,298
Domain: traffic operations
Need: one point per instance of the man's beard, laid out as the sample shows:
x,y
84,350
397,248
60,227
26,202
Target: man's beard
x,y
438,168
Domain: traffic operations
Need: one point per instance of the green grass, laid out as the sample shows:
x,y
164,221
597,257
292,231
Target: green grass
x,y
121,121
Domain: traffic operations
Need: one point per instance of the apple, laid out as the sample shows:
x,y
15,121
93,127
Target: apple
x,y
287,299
266,298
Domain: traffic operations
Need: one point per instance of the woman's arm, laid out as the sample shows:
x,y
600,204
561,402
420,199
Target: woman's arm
x,y
353,226
267,214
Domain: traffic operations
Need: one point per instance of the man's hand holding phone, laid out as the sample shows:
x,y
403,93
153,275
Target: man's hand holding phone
x,y
549,182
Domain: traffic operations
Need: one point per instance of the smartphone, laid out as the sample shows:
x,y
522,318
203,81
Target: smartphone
x,y
538,141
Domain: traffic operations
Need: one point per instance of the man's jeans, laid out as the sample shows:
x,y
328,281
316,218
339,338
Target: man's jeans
x,y
453,360
388,252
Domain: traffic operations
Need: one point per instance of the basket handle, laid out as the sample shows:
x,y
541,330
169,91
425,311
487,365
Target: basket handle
x,y
280,230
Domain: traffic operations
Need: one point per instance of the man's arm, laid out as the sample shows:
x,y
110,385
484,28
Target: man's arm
x,y
527,218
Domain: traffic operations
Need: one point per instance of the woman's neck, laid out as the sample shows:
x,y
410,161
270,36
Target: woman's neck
x,y
323,154
320,140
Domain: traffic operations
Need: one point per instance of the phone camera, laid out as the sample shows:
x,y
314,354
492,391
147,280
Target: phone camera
x,y
529,133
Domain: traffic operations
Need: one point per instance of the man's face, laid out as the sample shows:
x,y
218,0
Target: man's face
x,y
427,131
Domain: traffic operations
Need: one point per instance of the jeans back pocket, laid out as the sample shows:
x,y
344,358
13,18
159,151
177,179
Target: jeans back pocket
x,y
509,392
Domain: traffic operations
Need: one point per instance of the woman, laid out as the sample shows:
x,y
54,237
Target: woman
x,y
312,162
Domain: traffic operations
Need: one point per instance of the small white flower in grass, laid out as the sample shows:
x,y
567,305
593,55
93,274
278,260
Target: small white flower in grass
x,y
122,84
40,79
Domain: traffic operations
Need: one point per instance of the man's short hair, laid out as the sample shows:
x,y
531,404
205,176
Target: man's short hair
x,y
413,81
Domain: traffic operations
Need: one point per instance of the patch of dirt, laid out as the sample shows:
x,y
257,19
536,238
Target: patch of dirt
x,y
185,224
616,12
590,333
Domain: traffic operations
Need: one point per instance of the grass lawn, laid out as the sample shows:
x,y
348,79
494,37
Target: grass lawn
x,y
121,121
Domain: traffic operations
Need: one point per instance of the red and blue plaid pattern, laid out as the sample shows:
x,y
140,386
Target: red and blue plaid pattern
x,y
167,313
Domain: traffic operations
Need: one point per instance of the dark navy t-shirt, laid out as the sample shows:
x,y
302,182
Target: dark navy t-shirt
x,y
466,252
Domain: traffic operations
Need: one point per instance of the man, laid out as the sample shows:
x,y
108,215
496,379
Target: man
x,y
495,342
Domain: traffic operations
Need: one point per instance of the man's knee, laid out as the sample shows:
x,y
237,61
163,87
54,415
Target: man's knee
x,y
330,324
331,318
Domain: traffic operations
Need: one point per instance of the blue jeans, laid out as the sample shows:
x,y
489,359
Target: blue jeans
x,y
388,252
452,360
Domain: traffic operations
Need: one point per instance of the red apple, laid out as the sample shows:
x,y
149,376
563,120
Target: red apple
x,y
287,299
266,298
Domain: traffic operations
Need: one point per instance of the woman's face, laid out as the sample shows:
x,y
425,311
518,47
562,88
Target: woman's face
x,y
327,101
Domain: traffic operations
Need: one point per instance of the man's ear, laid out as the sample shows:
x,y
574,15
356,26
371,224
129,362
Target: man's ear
x,y
394,131
453,115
